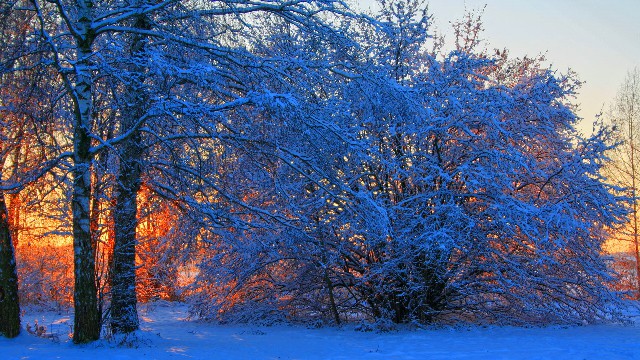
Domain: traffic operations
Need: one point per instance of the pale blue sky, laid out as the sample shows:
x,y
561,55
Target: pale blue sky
x,y
598,39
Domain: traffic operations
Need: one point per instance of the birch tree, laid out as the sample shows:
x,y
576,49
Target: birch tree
x,y
79,37
70,32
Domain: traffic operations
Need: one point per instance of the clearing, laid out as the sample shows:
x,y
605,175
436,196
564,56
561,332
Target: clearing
x,y
167,334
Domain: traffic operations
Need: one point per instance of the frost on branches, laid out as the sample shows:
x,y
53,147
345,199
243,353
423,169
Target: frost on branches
x,y
274,159
426,186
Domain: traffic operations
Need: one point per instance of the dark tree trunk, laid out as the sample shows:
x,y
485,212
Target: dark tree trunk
x,y
124,315
9,304
332,300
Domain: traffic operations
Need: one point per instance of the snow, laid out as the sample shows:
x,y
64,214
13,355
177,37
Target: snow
x,y
168,334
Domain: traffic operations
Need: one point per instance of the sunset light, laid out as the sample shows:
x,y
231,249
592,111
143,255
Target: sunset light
x,y
319,179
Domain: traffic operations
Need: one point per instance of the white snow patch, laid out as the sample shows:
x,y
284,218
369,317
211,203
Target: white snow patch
x,y
166,334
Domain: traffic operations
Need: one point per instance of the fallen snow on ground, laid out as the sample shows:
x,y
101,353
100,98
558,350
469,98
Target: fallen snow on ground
x,y
167,334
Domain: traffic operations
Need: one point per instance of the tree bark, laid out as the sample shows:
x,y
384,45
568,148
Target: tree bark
x,y
124,315
332,300
9,302
87,320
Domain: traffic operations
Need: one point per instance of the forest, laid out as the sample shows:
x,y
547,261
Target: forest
x,y
298,161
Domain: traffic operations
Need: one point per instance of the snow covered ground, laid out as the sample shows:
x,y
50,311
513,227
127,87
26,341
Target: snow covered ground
x,y
166,334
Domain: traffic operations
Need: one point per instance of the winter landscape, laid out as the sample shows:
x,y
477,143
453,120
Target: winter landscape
x,y
313,179
166,333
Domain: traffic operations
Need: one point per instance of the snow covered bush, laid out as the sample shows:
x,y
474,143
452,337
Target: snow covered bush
x,y
45,275
437,186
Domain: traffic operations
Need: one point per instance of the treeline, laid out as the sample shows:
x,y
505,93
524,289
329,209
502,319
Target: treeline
x,y
301,161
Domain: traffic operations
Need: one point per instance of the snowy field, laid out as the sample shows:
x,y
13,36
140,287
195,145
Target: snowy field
x,y
166,334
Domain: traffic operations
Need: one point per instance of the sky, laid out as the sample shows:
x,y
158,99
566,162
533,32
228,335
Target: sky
x,y
598,39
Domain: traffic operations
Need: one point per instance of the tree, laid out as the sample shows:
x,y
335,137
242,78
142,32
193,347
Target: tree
x,y
470,235
70,37
468,196
124,318
625,116
23,157
9,304
324,164
82,40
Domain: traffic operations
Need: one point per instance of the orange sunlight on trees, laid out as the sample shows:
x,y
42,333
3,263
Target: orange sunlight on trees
x,y
274,160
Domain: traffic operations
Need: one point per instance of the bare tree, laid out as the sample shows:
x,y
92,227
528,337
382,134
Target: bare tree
x,y
12,35
625,170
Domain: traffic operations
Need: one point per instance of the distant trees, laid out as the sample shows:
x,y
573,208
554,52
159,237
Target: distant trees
x,y
624,170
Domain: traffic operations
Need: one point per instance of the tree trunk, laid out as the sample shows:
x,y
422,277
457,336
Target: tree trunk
x,y
102,225
635,209
124,315
87,320
9,304
332,300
